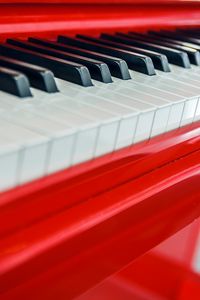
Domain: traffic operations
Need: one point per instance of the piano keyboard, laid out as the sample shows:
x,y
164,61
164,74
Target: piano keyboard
x,y
71,100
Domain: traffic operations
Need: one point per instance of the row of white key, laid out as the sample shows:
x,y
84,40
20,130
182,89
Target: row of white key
x,y
52,132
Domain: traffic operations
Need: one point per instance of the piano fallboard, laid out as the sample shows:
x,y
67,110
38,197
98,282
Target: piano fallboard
x,y
51,17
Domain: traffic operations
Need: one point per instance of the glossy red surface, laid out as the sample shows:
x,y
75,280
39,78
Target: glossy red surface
x,y
63,234
183,247
34,200
47,19
96,1
164,273
66,247
151,273
151,277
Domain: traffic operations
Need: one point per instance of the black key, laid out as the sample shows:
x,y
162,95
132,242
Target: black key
x,y
98,70
39,78
194,55
192,33
159,60
174,40
176,35
138,57
167,34
174,56
14,83
189,32
136,62
117,66
69,71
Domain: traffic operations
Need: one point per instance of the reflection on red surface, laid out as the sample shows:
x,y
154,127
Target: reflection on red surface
x,y
166,272
64,234
49,20
81,182
78,242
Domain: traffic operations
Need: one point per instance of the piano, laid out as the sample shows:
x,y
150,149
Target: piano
x,y
99,138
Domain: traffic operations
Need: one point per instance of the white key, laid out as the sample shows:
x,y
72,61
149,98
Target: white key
x,y
35,150
10,154
62,138
91,127
179,106
182,89
110,102
118,108
63,129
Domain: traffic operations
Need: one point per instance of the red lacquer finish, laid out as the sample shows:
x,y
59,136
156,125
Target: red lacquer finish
x,y
85,244
151,277
67,247
113,2
49,19
164,273
63,234
35,201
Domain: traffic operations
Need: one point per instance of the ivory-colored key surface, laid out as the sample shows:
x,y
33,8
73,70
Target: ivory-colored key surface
x,y
190,98
50,132
121,108
35,150
10,154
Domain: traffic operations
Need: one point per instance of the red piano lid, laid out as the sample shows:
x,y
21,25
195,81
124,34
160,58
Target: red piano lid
x,y
96,1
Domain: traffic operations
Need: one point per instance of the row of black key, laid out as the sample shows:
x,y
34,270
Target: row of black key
x,y
81,58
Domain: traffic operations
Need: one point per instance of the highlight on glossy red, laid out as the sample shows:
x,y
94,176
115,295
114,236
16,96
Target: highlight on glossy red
x,y
98,237
153,276
48,19
62,235
96,1
34,201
